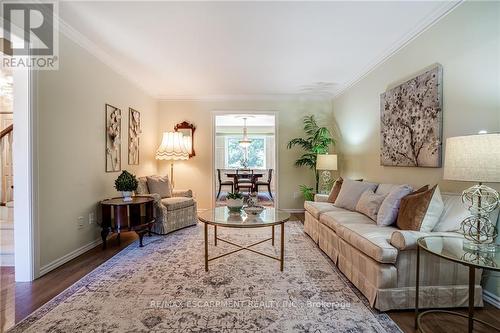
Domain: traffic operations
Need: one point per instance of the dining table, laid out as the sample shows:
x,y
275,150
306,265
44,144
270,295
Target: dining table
x,y
254,177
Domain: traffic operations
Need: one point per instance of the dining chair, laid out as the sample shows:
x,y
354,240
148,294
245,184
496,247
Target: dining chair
x,y
223,183
266,182
244,180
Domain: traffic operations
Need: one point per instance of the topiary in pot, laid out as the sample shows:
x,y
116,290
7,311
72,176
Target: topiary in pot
x,y
127,184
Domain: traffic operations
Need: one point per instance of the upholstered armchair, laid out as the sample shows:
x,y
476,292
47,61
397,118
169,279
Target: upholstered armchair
x,y
172,213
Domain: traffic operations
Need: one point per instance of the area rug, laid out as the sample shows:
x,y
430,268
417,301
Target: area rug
x,y
163,287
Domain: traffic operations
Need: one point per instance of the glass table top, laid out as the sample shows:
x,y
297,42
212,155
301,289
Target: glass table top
x,y
451,248
221,216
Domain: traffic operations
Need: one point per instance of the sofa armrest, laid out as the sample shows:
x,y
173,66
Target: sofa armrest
x,y
407,239
321,197
182,193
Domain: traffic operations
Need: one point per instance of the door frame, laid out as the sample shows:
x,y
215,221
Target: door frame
x,y
25,161
214,115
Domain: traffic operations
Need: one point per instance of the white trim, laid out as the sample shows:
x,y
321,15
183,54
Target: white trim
x,y
419,29
294,210
69,256
26,231
491,298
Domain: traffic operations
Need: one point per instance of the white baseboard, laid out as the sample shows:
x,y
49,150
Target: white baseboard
x,y
72,255
294,210
491,298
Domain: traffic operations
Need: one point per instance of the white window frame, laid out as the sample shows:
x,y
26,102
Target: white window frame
x,y
239,137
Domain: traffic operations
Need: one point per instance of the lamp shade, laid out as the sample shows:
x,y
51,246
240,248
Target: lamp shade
x,y
473,158
172,147
326,162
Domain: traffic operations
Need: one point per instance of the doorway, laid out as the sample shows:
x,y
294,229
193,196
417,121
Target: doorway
x,y
6,169
245,156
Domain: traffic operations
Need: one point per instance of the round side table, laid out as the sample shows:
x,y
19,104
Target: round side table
x,y
118,214
451,248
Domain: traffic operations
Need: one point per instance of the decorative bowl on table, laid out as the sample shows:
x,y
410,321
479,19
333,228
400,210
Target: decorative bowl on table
x,y
253,210
234,205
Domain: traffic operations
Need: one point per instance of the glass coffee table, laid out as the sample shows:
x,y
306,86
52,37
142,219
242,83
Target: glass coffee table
x,y
451,248
221,217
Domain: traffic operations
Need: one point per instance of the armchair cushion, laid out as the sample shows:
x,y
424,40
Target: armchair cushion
x,y
160,185
174,203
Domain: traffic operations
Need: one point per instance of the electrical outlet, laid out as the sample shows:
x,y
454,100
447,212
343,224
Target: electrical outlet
x,y
80,222
91,218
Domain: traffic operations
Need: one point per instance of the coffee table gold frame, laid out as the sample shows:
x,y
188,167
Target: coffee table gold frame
x,y
247,247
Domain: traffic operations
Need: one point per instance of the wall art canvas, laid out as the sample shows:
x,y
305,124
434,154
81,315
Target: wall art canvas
x,y
113,138
134,132
412,120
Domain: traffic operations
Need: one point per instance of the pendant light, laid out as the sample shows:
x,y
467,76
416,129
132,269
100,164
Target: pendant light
x,y
245,142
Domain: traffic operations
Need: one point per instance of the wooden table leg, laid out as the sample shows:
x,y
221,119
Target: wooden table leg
x,y
206,247
121,219
105,224
272,236
282,251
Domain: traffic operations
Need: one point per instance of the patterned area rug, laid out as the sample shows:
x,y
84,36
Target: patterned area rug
x,y
163,287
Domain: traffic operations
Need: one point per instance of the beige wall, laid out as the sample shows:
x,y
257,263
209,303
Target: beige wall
x,y
467,44
196,173
72,178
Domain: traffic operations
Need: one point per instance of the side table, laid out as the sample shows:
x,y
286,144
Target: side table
x,y
451,248
118,214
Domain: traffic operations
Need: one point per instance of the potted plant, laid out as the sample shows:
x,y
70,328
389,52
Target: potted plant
x,y
317,141
127,184
234,202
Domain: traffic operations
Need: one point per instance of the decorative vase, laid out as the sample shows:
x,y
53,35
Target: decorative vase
x,y
234,205
127,195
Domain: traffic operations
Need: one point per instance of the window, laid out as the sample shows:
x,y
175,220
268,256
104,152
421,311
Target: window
x,y
235,154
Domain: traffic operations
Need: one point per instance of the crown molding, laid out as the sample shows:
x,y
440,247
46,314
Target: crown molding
x,y
419,29
242,97
74,35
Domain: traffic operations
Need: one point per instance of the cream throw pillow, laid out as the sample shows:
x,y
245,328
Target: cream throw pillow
x,y
159,185
369,203
351,191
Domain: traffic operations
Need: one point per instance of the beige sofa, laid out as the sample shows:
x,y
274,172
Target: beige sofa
x,y
384,270
177,212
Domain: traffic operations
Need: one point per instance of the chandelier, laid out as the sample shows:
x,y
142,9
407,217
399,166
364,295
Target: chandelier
x,y
245,142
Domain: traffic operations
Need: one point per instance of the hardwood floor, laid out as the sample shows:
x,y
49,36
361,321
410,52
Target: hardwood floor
x,y
18,300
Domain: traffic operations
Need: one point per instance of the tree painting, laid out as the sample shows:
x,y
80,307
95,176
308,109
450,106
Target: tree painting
x,y
411,122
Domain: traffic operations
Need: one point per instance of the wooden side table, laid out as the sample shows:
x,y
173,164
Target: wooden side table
x,y
118,214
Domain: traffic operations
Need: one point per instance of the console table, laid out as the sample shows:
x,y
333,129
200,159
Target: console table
x,y
118,214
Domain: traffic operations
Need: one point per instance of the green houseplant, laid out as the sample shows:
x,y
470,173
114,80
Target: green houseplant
x,y
127,184
316,141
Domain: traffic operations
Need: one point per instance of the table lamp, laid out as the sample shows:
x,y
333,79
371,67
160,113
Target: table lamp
x,y
326,163
476,158
172,148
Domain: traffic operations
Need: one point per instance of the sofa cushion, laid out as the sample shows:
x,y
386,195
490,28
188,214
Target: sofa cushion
x,y
334,193
371,239
177,202
333,219
351,191
316,208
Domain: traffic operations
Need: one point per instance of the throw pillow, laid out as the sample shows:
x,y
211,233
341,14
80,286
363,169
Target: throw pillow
x,y
351,191
159,185
388,212
369,203
334,193
420,211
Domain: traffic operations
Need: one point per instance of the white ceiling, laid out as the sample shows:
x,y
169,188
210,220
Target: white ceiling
x,y
206,49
